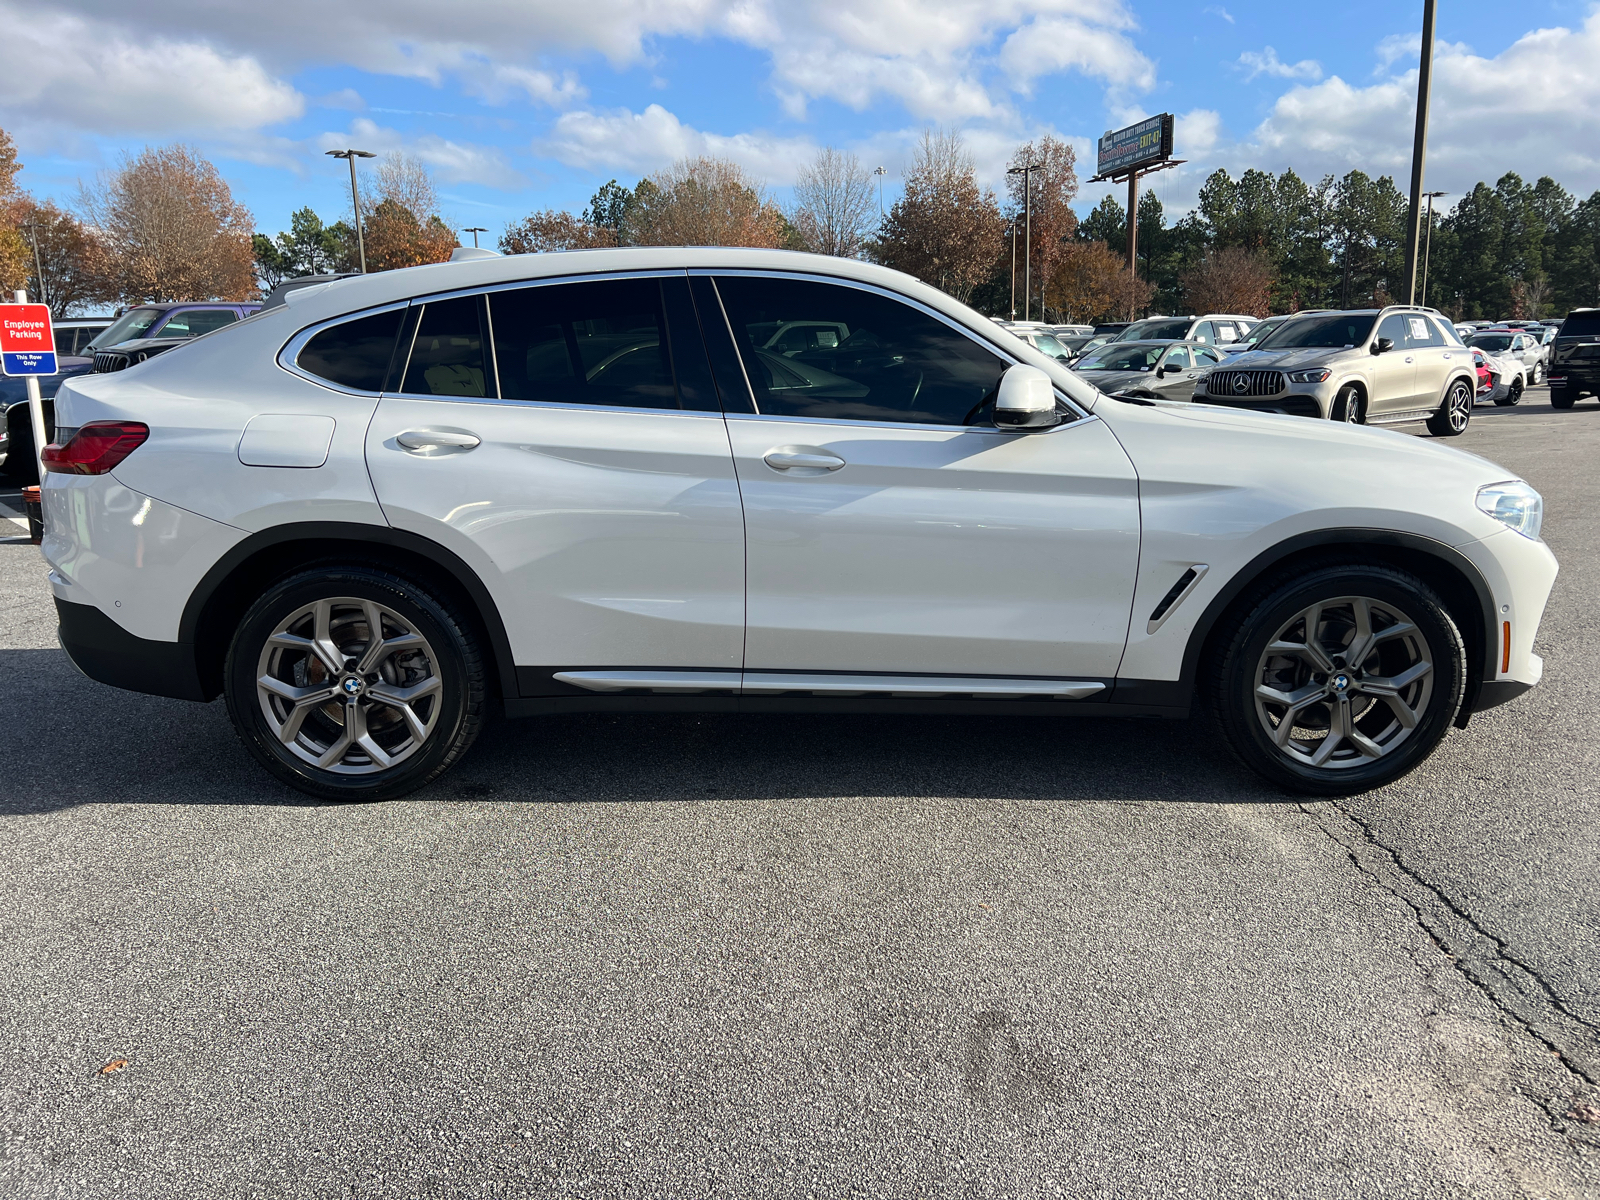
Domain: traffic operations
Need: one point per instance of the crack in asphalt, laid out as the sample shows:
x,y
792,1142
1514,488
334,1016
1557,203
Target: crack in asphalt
x,y
1517,990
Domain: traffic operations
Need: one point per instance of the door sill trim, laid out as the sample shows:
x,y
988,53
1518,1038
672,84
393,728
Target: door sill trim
x,y
776,683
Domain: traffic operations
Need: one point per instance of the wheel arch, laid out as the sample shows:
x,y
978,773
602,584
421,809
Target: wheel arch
x,y
1455,577
235,581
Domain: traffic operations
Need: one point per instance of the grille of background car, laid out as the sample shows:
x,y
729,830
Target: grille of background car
x,y
1258,383
110,361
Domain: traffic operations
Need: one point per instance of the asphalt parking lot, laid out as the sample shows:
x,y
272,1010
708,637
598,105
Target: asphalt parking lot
x,y
800,956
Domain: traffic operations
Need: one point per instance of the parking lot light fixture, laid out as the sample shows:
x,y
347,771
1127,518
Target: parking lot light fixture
x,y
880,172
350,156
1027,235
474,230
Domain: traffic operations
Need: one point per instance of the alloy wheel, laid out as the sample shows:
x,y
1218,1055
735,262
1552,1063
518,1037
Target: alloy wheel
x,y
1343,682
349,686
1460,407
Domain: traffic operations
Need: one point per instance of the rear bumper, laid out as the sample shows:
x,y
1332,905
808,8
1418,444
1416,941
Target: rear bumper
x,y
104,651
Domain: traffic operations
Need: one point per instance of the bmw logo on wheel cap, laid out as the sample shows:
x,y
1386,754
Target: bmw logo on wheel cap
x,y
352,686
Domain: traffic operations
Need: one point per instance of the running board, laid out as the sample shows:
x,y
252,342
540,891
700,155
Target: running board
x,y
775,684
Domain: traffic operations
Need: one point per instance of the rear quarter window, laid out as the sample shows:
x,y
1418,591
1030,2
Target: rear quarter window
x,y
353,354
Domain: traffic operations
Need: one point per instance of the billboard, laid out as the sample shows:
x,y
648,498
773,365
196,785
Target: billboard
x,y
1147,142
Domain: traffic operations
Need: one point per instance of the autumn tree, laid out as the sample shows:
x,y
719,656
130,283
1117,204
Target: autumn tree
x,y
703,202
15,260
1050,219
405,228
77,271
944,229
1230,280
1092,283
552,229
833,204
171,228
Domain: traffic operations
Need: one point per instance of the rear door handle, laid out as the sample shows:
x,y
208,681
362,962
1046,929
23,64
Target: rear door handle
x,y
1408,358
439,441
790,458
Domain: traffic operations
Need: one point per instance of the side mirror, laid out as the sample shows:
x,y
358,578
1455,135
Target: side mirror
x,y
1026,399
1383,345
1161,371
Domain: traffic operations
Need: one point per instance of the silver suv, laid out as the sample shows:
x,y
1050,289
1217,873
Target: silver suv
x,y
1368,367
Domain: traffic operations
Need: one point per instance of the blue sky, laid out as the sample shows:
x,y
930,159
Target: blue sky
x,y
517,106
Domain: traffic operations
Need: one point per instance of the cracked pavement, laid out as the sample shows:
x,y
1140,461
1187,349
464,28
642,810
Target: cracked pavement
x,y
624,956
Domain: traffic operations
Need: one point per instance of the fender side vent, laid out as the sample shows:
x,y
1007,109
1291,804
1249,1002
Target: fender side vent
x,y
1175,595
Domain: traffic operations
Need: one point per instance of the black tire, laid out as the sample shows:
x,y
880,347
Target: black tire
x,y
1239,664
1456,411
433,680
1563,397
1513,394
1349,407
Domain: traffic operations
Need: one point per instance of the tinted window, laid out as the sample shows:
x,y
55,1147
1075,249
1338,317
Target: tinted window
x,y
447,356
605,342
1177,357
1393,328
893,363
1120,358
1420,332
1205,357
1329,332
196,321
129,326
1167,329
1494,343
354,354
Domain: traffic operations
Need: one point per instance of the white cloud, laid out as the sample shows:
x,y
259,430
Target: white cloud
x,y
1051,44
347,98
1196,133
647,141
1528,109
452,161
58,70
1216,10
497,83
1266,62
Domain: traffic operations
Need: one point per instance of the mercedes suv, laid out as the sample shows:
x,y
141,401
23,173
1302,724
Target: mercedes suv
x,y
1374,366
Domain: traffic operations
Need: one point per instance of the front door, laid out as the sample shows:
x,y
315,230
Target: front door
x,y
1394,372
891,529
577,460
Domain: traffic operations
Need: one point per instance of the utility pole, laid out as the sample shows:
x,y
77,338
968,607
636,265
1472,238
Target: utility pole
x,y
1011,231
1427,243
1027,235
880,173
38,267
1419,148
350,156
474,230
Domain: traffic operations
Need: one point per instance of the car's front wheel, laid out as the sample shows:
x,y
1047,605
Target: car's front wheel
x,y
1339,680
1453,415
1513,394
1348,406
350,683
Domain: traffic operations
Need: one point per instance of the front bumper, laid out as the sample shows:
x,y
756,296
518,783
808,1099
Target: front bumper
x,y
1293,404
108,653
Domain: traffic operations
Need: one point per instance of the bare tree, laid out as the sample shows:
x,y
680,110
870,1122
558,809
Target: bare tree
x,y
944,229
704,202
552,229
405,228
833,204
1230,280
77,269
171,228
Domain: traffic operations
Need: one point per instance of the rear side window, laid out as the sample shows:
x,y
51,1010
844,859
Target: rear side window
x,y
197,321
447,357
891,363
353,354
1420,332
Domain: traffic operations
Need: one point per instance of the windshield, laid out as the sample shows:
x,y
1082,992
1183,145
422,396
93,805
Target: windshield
x,y
1336,330
1149,331
1120,358
1050,346
127,327
1256,333
1492,342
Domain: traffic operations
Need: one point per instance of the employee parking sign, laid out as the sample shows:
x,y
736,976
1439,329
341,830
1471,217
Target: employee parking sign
x,y
27,345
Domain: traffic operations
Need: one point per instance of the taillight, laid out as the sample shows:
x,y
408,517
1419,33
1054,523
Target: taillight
x,y
96,448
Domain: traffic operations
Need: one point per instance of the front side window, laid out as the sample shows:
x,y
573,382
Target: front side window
x,y
196,321
447,357
1331,332
1177,359
1121,358
354,354
1394,328
895,363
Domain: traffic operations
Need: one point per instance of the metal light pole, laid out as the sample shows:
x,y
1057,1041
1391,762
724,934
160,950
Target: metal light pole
x,y
474,230
1419,147
1427,244
880,173
350,156
1027,234
1011,231
38,267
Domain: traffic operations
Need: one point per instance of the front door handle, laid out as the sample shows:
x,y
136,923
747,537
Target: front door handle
x,y
437,441
790,458
1408,358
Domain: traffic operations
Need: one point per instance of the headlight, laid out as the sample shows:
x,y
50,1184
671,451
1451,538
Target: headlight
x,y
1514,504
1309,376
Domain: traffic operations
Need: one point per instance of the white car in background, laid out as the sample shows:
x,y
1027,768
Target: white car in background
x,y
1522,353
594,482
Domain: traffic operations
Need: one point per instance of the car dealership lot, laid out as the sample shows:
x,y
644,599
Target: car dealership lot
x,y
792,955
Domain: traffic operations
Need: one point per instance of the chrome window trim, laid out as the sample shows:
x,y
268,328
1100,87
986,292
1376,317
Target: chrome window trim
x,y
291,349
886,293
555,405
549,281
991,430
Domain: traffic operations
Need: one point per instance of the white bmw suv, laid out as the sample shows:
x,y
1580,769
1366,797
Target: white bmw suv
x,y
670,479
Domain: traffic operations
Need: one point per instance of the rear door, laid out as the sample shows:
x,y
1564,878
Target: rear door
x,y
563,438
1437,359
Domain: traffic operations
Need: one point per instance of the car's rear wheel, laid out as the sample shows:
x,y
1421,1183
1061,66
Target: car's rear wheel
x,y
1349,407
1513,394
1453,415
1563,397
1338,681
350,683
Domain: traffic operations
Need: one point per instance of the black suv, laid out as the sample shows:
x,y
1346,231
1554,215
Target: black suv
x,y
1574,369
